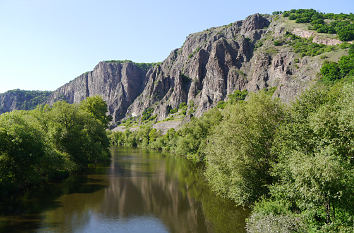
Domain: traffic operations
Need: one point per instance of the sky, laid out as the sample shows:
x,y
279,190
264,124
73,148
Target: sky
x,y
46,43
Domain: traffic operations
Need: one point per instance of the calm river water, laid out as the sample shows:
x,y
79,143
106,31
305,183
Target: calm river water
x,y
139,192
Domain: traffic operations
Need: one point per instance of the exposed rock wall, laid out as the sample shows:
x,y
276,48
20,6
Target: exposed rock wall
x,y
214,63
316,39
118,84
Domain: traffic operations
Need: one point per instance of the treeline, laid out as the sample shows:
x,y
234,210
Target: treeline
x,y
51,142
292,164
189,141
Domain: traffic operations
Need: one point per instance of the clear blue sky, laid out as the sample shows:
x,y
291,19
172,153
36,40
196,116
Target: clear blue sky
x,y
46,43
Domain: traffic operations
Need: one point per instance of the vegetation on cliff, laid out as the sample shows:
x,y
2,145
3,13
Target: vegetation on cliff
x,y
51,142
340,24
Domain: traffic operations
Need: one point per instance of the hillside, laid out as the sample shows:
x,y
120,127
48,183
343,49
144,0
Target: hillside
x,y
22,100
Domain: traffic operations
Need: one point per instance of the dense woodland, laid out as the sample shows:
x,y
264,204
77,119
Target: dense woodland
x,y
292,163
51,142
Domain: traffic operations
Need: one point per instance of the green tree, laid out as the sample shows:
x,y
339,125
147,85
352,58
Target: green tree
x,y
21,151
330,71
238,151
97,108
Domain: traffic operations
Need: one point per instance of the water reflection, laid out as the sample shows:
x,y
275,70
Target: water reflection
x,y
139,192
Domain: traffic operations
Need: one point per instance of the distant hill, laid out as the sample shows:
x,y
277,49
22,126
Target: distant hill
x,y
22,100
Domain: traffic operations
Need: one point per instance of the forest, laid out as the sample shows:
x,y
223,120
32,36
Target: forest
x,y
292,164
51,142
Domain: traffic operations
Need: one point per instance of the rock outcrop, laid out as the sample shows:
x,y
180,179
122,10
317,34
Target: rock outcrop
x,y
315,37
118,84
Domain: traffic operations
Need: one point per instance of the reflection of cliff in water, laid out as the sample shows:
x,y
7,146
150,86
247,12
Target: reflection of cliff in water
x,y
169,189
144,189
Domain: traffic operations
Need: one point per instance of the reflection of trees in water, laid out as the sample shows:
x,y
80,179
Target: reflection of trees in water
x,y
145,185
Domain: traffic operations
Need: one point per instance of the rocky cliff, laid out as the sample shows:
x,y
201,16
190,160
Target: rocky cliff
x,y
208,67
118,83
214,63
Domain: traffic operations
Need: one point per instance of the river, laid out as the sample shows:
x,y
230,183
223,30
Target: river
x,y
138,192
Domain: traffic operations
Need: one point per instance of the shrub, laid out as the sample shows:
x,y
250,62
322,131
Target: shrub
x,y
277,42
330,71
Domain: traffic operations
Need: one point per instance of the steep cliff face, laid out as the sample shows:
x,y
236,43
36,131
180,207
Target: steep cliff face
x,y
214,63
118,84
204,71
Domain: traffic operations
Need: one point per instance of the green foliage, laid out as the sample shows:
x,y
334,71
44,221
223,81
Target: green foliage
x,y
277,12
332,71
314,169
147,66
192,138
238,153
189,141
118,61
221,104
173,110
278,42
50,142
340,24
258,44
143,66
129,122
147,114
261,223
183,108
97,108
305,47
237,96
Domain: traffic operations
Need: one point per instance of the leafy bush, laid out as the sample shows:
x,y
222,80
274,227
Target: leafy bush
x,y
277,42
147,114
237,96
173,111
277,12
261,223
240,170
332,71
